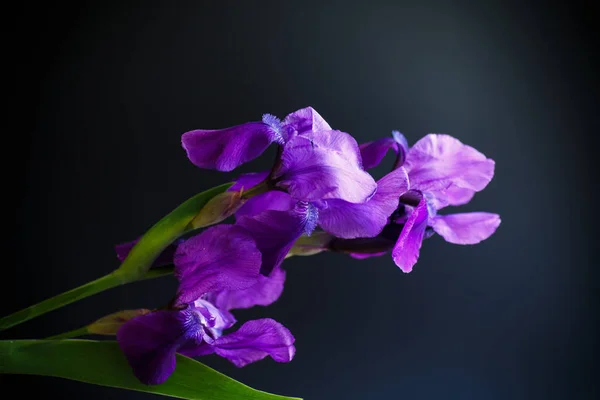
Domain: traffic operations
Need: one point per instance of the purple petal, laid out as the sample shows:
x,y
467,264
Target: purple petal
x,y
264,292
305,120
221,257
276,231
226,149
452,196
150,342
406,250
165,258
351,220
248,181
324,165
362,256
437,162
467,228
254,341
272,200
373,152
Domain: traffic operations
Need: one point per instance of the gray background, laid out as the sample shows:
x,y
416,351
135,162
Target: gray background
x,y
104,91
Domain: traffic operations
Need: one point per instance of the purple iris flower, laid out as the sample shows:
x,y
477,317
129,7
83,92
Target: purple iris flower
x,y
318,180
442,172
218,271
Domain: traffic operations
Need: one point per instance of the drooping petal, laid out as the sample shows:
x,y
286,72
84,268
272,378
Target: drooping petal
x,y
248,181
276,231
150,342
254,341
452,196
264,292
406,251
226,149
373,152
272,200
165,258
438,162
352,220
221,257
305,120
324,165
466,228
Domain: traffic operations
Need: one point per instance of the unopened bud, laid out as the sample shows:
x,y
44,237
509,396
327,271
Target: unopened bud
x,y
218,208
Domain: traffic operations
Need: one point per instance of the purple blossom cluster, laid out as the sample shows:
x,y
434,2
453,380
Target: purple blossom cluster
x,y
319,182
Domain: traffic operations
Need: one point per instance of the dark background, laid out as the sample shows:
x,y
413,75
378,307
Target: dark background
x,y
104,91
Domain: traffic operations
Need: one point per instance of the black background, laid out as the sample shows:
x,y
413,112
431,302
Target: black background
x,y
104,91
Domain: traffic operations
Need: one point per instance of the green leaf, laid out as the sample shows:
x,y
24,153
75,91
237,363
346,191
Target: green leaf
x,y
102,363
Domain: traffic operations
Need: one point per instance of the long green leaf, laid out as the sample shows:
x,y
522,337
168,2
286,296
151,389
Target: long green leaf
x,y
102,363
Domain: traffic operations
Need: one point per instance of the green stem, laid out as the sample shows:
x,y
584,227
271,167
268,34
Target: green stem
x,y
137,264
70,334
106,282
157,272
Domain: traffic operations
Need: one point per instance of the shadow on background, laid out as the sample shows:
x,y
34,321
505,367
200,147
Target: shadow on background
x,y
104,92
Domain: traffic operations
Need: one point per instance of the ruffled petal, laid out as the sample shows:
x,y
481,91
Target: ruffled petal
x,y
226,149
324,165
305,120
437,162
264,292
452,196
276,231
254,341
467,228
406,251
150,342
352,220
272,200
222,257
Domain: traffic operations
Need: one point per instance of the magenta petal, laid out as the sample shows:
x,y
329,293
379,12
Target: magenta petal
x,y
150,342
276,231
467,228
222,257
437,162
226,149
248,181
306,120
254,341
324,165
264,292
406,250
272,200
353,220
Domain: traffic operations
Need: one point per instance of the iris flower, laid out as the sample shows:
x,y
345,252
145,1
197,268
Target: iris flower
x,y
317,180
442,172
218,271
